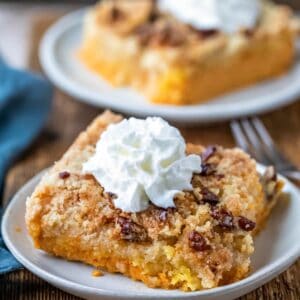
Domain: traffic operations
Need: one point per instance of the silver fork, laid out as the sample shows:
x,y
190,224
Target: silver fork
x,y
252,136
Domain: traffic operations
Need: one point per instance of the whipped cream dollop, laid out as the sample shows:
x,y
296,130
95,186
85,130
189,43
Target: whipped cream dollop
x,y
224,15
142,161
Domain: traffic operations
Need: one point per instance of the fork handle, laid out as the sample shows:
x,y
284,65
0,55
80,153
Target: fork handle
x,y
292,175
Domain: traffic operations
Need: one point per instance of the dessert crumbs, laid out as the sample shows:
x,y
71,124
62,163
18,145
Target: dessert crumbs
x,y
18,229
97,273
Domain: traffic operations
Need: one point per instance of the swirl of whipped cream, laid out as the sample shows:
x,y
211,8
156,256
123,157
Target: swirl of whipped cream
x,y
142,161
228,16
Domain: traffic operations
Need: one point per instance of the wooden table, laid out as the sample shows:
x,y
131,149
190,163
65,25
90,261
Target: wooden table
x,y
69,117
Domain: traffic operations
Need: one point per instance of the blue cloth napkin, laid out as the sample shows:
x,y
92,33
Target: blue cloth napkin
x,y
7,262
25,101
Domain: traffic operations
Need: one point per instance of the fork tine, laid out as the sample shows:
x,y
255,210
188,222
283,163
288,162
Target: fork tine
x,y
258,150
262,131
270,146
239,135
253,137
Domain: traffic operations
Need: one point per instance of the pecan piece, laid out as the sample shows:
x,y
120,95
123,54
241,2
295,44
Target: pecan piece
x,y
124,16
209,197
116,14
168,36
111,195
160,34
198,242
64,175
249,33
207,169
246,224
208,152
225,218
163,215
154,15
144,33
130,231
204,34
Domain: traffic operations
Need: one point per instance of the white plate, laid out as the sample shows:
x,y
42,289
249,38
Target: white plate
x,y
57,56
277,247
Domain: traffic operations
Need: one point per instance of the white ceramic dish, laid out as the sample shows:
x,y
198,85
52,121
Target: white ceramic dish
x,y
277,247
58,58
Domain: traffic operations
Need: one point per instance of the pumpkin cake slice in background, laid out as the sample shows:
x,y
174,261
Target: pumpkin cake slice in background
x,y
173,56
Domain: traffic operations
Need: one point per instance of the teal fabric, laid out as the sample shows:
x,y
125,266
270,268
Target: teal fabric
x,y
7,262
25,101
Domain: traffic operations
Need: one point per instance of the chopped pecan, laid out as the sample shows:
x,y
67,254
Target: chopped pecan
x,y
163,215
111,195
246,224
161,35
116,14
207,169
168,36
198,242
154,15
130,231
220,176
64,175
208,152
124,16
204,34
144,33
248,32
107,219
225,218
209,197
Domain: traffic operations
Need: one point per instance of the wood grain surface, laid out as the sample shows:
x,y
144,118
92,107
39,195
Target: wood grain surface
x,y
69,117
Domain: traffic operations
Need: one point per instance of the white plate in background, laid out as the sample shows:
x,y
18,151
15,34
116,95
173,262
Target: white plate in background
x,y
276,248
59,61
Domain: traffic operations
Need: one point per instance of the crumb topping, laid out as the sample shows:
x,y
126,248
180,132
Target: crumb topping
x,y
155,29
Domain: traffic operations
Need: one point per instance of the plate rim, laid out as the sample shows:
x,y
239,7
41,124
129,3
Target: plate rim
x,y
186,114
258,278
